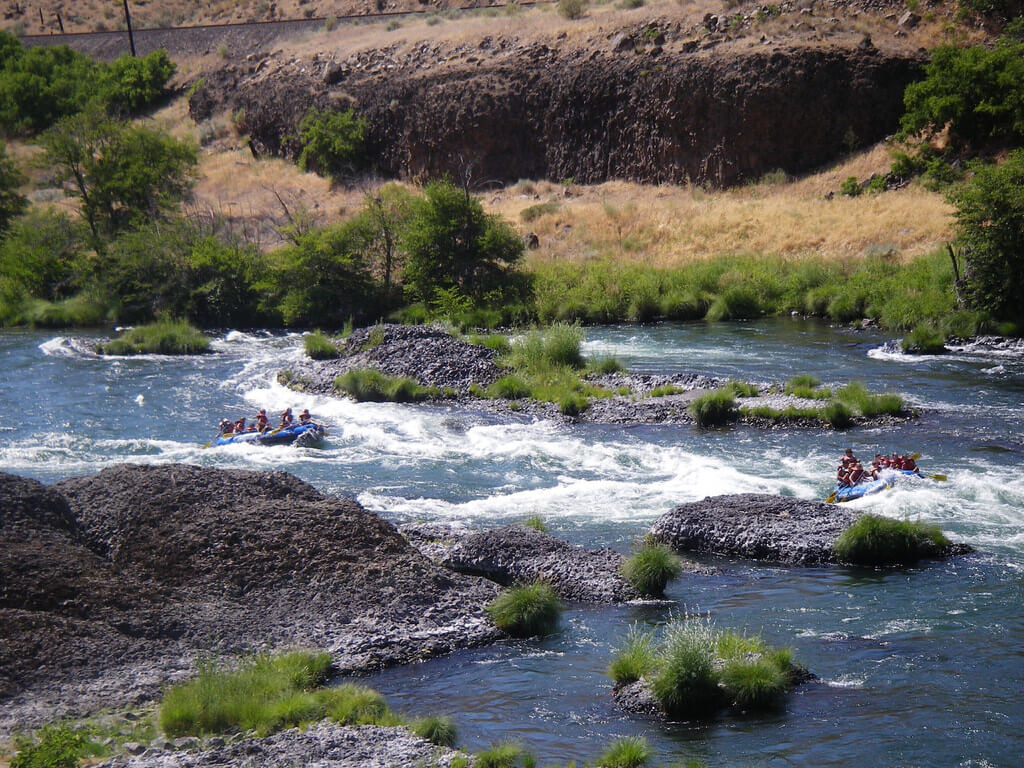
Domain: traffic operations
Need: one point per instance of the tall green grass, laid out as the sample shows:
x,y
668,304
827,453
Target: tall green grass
x,y
636,658
715,408
164,337
626,752
319,347
856,396
527,610
874,540
370,385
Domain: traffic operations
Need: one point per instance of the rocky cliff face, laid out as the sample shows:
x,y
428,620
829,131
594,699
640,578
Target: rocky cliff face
x,y
646,107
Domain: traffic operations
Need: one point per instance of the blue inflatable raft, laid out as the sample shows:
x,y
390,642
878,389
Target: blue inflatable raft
x,y
301,434
885,481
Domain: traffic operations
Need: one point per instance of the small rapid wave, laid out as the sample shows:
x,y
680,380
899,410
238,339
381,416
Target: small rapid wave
x,y
69,346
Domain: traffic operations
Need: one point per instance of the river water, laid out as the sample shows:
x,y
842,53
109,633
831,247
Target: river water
x,y
918,667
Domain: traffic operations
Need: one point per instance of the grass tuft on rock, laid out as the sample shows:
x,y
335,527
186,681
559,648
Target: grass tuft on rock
x,y
264,693
651,567
874,540
715,408
527,610
165,337
636,658
505,755
536,522
319,347
437,730
627,752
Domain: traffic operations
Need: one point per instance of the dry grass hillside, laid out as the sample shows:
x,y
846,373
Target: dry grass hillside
x,y
655,225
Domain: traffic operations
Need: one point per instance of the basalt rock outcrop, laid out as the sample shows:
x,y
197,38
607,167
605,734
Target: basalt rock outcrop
x,y
113,584
657,112
765,527
516,554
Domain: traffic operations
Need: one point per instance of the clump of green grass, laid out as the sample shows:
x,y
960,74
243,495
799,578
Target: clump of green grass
x,y
715,408
875,540
698,669
606,365
651,567
437,730
319,347
534,212
808,387
627,752
838,415
636,658
370,385
496,341
665,390
856,396
573,404
527,610
53,746
536,522
925,339
509,387
741,388
264,694
788,414
505,755
164,337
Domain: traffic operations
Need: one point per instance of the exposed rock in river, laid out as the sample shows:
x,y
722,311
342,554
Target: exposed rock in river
x,y
113,584
762,527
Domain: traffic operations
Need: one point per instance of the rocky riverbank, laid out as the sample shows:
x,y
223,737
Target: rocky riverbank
x,y
114,584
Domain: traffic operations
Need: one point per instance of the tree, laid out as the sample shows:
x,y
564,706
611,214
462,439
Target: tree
x,y
977,92
382,219
323,280
333,143
125,175
12,202
42,253
990,234
131,84
452,243
222,279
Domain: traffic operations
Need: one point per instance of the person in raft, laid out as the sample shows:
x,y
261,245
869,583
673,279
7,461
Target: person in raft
x,y
239,426
262,422
286,418
305,418
226,427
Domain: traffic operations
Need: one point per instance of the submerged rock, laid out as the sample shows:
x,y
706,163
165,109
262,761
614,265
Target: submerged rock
x,y
114,583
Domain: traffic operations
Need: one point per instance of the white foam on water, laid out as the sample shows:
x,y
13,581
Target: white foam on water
x,y
65,346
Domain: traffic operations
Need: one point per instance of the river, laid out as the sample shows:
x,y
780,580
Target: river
x,y
918,667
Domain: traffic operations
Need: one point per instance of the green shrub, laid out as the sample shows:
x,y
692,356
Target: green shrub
x,y
737,302
54,746
636,658
536,522
714,408
875,540
627,752
333,143
527,610
165,337
437,730
572,9
319,347
534,212
651,567
925,339
509,388
850,187
259,695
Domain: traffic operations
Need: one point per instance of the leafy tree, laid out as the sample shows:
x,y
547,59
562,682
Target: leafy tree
x,y
452,243
382,220
333,143
990,233
124,174
222,279
12,202
131,84
978,92
323,280
42,254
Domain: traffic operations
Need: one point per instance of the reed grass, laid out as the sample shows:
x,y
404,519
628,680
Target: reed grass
x,y
527,610
437,730
636,658
626,752
370,385
164,337
874,540
536,522
715,408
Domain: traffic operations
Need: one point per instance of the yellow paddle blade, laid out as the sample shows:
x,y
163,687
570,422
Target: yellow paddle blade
x,y
940,478
831,498
915,456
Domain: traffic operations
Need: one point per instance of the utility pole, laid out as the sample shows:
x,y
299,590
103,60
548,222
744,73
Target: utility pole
x,y
60,23
128,22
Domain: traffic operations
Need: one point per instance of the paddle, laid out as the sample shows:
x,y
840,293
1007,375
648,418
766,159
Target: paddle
x,y
937,476
831,498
